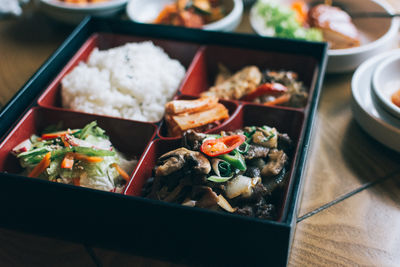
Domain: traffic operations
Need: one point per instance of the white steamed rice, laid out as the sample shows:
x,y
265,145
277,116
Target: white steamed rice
x,y
133,81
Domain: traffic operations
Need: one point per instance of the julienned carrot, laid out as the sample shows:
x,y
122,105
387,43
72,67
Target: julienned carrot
x,y
87,158
279,100
68,161
301,11
42,165
121,171
66,144
48,136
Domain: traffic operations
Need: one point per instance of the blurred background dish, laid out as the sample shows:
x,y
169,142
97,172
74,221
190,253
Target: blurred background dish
x,y
376,121
375,35
386,84
73,13
148,11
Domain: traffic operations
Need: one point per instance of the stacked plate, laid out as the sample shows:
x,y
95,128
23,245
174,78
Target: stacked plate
x,y
373,85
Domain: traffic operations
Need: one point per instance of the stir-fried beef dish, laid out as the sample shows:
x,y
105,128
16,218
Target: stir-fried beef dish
x,y
241,171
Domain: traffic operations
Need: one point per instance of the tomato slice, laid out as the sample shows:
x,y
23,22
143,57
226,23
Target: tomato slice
x,y
222,145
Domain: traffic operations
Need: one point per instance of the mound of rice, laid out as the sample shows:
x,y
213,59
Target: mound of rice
x,y
133,81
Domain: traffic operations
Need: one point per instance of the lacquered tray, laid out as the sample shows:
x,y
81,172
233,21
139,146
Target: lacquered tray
x,y
127,221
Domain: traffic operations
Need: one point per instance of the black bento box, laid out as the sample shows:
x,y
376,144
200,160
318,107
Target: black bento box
x,y
131,223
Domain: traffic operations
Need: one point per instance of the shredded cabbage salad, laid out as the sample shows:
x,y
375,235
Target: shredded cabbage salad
x,y
280,21
82,157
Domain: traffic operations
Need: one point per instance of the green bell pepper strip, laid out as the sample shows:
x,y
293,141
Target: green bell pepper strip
x,y
236,160
88,151
87,130
34,152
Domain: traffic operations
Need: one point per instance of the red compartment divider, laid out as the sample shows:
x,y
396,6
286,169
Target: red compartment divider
x,y
122,133
145,167
197,80
205,68
184,52
286,121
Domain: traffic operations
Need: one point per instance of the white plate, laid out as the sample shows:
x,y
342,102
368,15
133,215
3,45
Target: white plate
x,y
386,81
146,11
74,13
377,34
377,122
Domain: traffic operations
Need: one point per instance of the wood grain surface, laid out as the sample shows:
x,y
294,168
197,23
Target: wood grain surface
x,y
343,157
20,249
359,231
349,214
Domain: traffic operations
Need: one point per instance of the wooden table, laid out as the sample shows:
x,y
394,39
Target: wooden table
x,y
350,212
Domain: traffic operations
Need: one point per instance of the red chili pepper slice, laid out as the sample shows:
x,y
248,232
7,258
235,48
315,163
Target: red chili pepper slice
x,y
274,89
223,145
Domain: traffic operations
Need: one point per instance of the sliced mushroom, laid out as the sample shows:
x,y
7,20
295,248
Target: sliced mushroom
x,y
171,197
253,171
256,152
171,162
276,162
241,186
178,158
201,165
214,165
284,142
266,137
193,140
209,198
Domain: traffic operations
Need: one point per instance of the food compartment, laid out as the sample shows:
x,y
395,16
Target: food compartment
x,y
122,134
231,106
184,52
285,121
207,65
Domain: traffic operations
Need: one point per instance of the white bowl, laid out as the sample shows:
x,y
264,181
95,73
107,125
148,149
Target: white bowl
x,y
74,13
147,11
386,81
377,34
375,120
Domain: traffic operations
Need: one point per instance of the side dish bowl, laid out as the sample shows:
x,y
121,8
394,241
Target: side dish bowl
x,y
386,81
378,123
377,34
73,13
147,11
